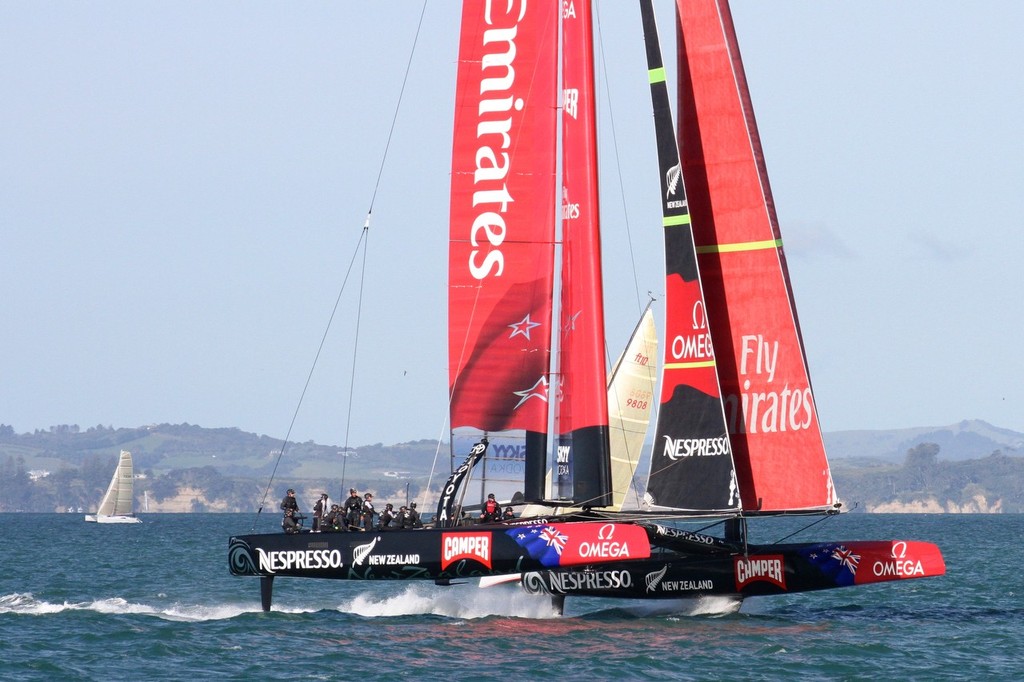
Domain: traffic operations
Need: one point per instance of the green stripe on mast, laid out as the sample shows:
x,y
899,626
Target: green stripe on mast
x,y
656,75
675,220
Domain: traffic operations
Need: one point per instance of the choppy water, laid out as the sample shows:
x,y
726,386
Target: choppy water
x,y
81,601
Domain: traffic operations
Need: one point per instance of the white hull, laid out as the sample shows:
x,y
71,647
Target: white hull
x,y
113,519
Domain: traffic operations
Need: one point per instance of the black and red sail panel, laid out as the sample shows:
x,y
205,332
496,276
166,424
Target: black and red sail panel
x,y
691,464
770,410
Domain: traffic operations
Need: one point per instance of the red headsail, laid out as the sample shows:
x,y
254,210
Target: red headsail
x,y
776,439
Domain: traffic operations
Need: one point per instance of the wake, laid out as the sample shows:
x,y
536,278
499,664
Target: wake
x,y
25,603
453,602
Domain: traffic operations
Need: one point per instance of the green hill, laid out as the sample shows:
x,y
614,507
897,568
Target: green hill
x,y
189,468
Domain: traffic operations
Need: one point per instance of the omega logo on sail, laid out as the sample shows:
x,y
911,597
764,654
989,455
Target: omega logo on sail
x,y
493,132
697,345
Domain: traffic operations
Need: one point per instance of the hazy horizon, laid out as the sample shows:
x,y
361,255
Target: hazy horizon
x,y
185,185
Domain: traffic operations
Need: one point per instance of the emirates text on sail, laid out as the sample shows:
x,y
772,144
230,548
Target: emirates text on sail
x,y
768,411
494,130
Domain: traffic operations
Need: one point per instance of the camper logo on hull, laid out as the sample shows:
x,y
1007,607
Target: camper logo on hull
x,y
458,546
768,568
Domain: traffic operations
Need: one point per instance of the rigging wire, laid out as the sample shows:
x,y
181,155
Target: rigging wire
x,y
361,243
618,162
398,107
366,227
355,349
626,224
309,377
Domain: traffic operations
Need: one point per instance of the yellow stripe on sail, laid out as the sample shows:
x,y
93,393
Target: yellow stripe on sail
x,y
689,365
740,246
675,220
656,75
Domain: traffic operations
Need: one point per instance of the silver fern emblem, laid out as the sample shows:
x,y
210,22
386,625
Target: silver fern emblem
x,y
654,579
362,551
672,180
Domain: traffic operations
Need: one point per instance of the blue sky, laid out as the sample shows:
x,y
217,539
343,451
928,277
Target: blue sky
x,y
182,186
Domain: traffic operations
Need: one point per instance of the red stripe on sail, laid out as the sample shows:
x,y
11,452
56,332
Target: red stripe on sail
x,y
584,401
583,397
502,216
776,438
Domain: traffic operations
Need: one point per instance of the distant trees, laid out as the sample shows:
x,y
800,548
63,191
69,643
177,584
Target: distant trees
x,y
922,456
15,485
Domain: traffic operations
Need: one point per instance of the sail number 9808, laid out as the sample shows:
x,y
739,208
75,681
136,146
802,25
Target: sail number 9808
x,y
638,399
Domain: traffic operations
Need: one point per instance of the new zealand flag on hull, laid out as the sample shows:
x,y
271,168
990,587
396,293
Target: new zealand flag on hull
x,y
837,562
543,543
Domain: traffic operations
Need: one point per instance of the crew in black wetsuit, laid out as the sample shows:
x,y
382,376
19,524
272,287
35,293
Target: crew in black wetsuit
x,y
319,511
353,509
332,521
386,517
368,512
414,517
290,507
402,519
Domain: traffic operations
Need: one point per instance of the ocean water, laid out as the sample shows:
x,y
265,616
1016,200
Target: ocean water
x,y
155,601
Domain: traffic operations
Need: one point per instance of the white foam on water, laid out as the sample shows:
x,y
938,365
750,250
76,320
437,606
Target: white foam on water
x,y
26,603
456,601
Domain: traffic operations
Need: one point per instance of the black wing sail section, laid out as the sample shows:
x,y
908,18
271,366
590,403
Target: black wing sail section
x,y
691,465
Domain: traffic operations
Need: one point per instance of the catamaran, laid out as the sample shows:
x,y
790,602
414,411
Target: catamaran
x,y
737,435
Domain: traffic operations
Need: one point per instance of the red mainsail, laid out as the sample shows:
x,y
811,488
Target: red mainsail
x,y
582,413
502,216
773,424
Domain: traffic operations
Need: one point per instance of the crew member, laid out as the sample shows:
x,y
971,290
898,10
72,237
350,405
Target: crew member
x,y
289,502
367,512
353,509
414,517
402,520
386,517
319,509
492,510
290,508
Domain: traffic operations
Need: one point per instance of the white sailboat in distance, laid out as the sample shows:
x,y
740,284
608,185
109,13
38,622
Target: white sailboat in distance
x,y
118,502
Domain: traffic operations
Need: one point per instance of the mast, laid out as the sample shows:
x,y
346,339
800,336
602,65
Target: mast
x,y
582,455
771,415
691,466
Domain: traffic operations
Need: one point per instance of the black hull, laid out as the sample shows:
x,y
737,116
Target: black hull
x,y
615,560
763,570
